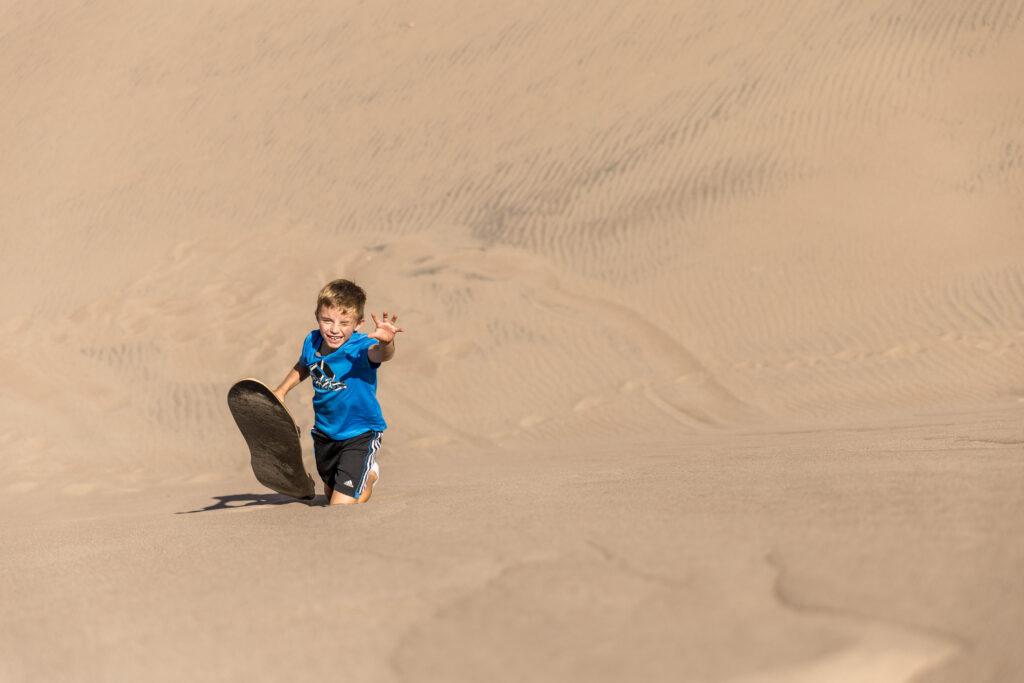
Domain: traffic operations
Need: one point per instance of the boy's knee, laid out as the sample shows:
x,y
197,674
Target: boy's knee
x,y
337,498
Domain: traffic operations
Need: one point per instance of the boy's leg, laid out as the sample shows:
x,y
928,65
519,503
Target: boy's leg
x,y
347,467
327,454
339,498
368,489
334,457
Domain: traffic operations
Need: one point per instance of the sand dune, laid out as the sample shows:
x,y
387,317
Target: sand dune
x,y
637,249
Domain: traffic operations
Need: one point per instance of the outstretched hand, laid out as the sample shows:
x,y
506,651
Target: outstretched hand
x,y
386,328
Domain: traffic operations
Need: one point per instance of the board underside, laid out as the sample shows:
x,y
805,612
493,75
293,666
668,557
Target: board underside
x,y
272,437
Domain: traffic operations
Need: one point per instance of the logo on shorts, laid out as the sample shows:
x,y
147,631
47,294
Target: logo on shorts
x,y
323,377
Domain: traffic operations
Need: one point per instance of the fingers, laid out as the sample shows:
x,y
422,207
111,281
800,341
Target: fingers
x,y
393,320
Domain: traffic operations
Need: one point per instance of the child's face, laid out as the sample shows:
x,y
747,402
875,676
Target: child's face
x,y
337,325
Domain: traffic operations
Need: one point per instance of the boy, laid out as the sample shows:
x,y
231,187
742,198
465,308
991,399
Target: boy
x,y
343,363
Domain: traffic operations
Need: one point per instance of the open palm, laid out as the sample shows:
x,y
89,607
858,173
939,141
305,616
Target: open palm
x,y
386,328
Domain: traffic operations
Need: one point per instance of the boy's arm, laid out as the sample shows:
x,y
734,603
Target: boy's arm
x,y
291,380
381,352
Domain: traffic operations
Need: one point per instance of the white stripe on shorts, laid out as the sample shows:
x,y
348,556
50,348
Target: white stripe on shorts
x,y
371,455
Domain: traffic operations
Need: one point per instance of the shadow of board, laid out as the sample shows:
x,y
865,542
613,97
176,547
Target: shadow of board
x,y
243,500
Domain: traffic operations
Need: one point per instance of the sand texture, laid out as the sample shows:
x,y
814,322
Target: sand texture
x,y
714,356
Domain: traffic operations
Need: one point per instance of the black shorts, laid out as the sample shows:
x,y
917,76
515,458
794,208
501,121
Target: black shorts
x,y
345,465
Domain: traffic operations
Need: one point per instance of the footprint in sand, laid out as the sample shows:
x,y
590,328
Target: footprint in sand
x,y
586,403
630,386
532,421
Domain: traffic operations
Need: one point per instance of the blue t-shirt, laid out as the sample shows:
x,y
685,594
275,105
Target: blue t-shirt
x,y
344,387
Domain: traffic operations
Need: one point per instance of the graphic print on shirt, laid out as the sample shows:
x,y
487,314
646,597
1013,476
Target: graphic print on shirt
x,y
323,377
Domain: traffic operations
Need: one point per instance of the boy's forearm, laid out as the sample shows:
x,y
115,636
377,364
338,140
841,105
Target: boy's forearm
x,y
387,351
290,381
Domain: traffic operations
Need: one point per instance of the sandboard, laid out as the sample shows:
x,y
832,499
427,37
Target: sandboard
x,y
272,437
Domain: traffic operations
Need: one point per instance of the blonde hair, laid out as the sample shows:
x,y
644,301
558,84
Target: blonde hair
x,y
342,294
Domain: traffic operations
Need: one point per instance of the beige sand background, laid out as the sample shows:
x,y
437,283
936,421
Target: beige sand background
x,y
714,362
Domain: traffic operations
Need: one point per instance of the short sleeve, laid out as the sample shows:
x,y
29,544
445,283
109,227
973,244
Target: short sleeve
x,y
307,344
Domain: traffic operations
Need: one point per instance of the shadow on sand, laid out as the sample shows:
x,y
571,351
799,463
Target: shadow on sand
x,y
243,500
